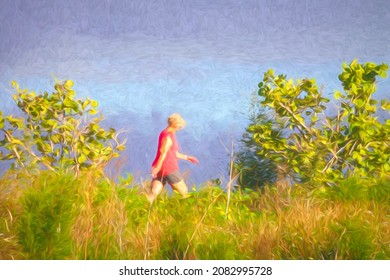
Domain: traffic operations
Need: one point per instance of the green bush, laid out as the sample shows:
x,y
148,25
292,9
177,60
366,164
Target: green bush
x,y
48,214
64,217
319,148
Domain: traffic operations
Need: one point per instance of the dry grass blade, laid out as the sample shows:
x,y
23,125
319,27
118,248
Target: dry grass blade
x,y
146,252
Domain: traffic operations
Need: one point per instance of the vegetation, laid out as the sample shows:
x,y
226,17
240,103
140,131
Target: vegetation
x,y
57,203
310,146
53,216
56,132
252,168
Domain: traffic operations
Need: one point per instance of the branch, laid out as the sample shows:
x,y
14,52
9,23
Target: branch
x,y
330,163
293,115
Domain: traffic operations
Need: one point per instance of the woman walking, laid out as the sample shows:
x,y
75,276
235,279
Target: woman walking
x,y
165,167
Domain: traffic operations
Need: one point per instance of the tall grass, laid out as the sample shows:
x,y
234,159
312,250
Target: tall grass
x,y
11,189
60,217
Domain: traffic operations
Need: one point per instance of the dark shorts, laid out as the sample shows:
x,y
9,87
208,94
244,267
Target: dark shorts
x,y
173,178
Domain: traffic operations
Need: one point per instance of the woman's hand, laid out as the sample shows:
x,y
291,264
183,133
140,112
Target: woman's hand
x,y
155,171
192,159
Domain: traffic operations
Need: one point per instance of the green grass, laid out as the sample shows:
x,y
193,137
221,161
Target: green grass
x,y
52,216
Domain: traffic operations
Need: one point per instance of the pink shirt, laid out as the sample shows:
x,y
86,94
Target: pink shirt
x,y
170,163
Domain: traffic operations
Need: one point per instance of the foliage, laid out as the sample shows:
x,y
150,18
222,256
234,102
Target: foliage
x,y
319,148
57,132
58,216
64,217
254,170
45,223
11,191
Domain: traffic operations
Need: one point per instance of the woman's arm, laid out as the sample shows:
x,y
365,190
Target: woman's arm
x,y
181,156
186,157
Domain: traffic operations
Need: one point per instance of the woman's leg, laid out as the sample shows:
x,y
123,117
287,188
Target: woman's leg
x,y
156,189
180,187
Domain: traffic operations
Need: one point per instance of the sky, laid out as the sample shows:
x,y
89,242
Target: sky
x,y
144,60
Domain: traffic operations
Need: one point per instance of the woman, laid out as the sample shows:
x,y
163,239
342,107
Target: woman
x,y
165,167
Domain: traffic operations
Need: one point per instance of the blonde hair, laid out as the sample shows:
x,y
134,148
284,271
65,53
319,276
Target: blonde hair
x,y
176,120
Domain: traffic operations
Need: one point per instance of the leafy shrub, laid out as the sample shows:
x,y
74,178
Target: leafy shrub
x,y
323,149
56,133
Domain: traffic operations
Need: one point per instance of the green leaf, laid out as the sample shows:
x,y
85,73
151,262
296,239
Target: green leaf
x,y
43,146
94,127
14,85
325,100
82,158
68,84
52,123
271,73
71,104
370,66
385,105
56,138
382,74
71,94
15,122
86,150
86,103
17,142
354,64
57,152
66,150
94,103
373,102
338,95
344,76
121,148
359,103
